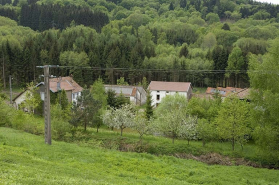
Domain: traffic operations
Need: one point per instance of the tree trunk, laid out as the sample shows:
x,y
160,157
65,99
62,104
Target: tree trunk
x,y
203,143
121,131
188,141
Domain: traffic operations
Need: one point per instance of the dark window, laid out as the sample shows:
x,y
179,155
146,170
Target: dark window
x,y
158,97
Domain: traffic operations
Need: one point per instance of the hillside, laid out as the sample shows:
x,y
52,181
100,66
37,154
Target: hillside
x,y
206,42
25,159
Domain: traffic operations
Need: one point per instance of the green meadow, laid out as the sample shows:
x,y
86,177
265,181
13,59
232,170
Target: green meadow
x,y
26,159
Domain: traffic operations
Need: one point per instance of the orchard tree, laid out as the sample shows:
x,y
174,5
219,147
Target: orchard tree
x,y
188,128
141,124
120,118
171,114
233,121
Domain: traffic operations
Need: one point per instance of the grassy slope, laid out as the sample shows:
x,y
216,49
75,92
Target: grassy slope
x,y
25,159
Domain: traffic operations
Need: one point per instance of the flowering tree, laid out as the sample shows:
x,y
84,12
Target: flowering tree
x,y
188,129
141,124
171,115
120,118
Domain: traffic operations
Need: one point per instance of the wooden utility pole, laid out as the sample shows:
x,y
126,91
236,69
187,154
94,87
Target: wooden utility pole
x,y
11,92
47,103
47,106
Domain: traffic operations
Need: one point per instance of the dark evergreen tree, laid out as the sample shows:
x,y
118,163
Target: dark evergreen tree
x,y
183,3
148,106
226,27
183,51
111,98
171,7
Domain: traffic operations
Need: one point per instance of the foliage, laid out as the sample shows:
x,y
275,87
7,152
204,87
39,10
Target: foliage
x,y
120,118
111,98
233,121
171,115
99,102
148,106
265,98
121,100
141,124
121,81
188,129
32,98
85,110
59,121
62,100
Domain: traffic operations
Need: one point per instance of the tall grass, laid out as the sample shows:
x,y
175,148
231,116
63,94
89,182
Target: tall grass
x,y
26,159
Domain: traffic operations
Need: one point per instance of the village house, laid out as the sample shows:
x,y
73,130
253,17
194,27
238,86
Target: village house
x,y
135,94
242,94
73,90
159,90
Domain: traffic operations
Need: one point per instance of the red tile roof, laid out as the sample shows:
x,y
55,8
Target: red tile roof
x,y
66,83
170,86
241,93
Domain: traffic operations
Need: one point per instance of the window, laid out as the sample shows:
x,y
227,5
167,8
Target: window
x,y
158,91
158,97
167,92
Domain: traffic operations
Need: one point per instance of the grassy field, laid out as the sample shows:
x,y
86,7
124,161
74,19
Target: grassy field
x,y
25,159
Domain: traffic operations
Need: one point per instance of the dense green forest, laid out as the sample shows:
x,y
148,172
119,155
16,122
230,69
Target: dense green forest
x,y
206,42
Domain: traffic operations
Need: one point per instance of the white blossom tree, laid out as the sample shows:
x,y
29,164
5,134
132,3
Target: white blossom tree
x,y
188,129
171,114
120,118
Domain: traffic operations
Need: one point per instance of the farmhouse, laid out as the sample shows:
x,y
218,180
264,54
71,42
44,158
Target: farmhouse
x,y
73,89
20,98
135,94
159,90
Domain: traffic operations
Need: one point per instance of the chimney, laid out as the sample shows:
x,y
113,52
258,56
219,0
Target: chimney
x,y
58,84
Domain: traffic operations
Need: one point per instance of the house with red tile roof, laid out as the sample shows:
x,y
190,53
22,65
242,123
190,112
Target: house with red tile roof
x,y
72,88
228,91
160,89
135,94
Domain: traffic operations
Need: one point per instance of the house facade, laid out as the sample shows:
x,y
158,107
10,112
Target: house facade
x,y
73,90
159,90
135,94
19,99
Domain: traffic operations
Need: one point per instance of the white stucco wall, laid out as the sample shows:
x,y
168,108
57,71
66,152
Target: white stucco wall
x,y
19,100
163,94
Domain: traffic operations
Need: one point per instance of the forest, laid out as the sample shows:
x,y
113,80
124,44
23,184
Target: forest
x,y
205,42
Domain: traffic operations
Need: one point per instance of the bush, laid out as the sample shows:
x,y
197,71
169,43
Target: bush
x,y
60,128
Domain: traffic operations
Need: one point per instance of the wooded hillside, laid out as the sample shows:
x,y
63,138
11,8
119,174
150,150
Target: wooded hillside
x,y
206,42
